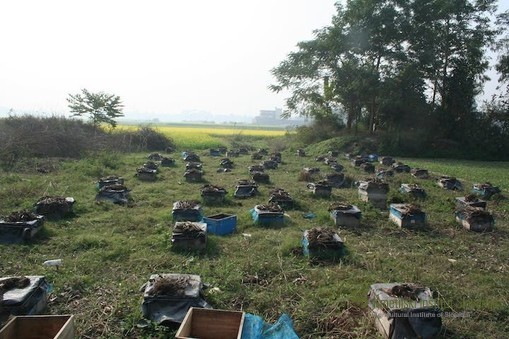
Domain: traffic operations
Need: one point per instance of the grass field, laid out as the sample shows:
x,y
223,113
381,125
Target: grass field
x,y
109,251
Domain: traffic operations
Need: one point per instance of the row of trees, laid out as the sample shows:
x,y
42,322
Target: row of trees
x,y
399,65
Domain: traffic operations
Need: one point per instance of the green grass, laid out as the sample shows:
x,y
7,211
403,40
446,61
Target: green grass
x,y
473,171
109,251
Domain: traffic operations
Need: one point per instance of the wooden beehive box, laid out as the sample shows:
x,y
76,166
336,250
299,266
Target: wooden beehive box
x,y
347,216
39,327
407,215
211,324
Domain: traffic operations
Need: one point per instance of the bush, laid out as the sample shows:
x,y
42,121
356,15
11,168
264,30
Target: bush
x,y
143,139
48,137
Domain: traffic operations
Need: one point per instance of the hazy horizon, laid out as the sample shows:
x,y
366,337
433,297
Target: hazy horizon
x,y
161,58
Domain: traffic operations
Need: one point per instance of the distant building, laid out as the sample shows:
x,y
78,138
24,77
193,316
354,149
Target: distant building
x,y
273,118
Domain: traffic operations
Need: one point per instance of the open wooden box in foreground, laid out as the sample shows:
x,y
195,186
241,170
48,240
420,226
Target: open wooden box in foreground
x,y
39,327
211,324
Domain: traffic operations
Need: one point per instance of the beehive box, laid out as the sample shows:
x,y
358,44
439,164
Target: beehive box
x,y
320,190
413,314
449,183
146,174
245,191
196,240
475,219
193,175
211,324
167,162
406,215
348,217
54,206
464,202
414,190
109,180
379,200
221,224
39,327
420,173
186,211
485,190
168,296
322,243
117,194
386,161
16,231
213,194
28,300
267,218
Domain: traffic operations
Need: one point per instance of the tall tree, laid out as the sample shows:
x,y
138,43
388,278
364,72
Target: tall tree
x,y
102,108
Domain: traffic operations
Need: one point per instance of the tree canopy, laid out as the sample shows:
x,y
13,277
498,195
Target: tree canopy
x,y
397,64
101,107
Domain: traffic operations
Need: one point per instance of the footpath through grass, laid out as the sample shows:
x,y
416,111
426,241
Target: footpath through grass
x,y
109,251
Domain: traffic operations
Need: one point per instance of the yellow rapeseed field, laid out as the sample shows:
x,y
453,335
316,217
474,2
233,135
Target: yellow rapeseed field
x,y
206,136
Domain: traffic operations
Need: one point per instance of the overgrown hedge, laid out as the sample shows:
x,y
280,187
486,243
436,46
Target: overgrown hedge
x,y
57,136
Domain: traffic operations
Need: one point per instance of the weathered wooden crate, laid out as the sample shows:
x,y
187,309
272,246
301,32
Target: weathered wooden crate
x,y
213,194
221,224
39,327
406,215
475,219
211,324
347,217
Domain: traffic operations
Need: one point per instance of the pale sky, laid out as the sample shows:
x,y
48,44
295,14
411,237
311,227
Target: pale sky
x,y
159,56
162,57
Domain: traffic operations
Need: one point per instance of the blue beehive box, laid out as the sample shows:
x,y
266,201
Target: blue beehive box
x,y
485,190
221,224
267,218
322,243
407,215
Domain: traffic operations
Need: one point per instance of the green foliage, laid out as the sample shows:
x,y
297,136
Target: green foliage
x,y
101,107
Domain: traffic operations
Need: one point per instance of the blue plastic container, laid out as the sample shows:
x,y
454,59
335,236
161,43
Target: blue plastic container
x,y
221,224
